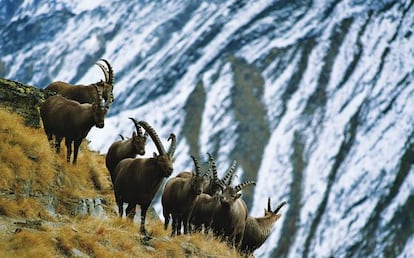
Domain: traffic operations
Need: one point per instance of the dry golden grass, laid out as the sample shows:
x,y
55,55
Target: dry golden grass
x,y
39,193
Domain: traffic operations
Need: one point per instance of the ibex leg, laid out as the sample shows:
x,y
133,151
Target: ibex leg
x,y
68,143
120,204
130,211
179,223
166,219
76,145
186,225
58,139
144,209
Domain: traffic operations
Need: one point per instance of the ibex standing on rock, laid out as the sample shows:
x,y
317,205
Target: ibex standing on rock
x,y
139,179
65,118
87,94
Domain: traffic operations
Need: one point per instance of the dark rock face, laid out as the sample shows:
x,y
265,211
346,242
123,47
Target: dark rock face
x,y
22,99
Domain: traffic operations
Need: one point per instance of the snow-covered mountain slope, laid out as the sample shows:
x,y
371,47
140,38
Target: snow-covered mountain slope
x,y
314,99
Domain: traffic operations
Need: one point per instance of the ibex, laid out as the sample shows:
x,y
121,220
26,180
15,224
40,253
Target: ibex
x,y
64,118
122,149
224,212
178,199
203,211
209,201
229,220
139,179
87,94
257,230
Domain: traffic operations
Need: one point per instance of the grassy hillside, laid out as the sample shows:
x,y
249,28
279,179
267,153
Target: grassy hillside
x,y
43,211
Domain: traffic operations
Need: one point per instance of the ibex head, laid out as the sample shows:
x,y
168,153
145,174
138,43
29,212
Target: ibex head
x,y
268,212
164,159
139,139
108,84
99,110
231,194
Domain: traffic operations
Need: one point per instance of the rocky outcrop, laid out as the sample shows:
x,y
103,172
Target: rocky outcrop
x,y
22,99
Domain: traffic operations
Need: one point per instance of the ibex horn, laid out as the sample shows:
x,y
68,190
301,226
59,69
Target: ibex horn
x,y
197,166
154,137
279,207
228,178
110,72
173,144
137,126
213,166
239,187
103,68
268,205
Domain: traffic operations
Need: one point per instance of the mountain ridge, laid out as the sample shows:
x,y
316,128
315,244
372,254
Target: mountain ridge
x,y
311,98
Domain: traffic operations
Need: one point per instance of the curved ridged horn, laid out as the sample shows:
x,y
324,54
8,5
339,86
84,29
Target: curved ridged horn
x,y
222,185
173,144
239,187
213,166
103,68
268,205
197,166
208,173
228,178
154,137
110,72
279,207
137,127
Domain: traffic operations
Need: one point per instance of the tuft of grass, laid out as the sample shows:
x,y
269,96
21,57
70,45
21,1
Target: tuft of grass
x,y
27,243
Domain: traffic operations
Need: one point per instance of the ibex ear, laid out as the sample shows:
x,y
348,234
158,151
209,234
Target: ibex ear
x,y
154,154
238,195
134,134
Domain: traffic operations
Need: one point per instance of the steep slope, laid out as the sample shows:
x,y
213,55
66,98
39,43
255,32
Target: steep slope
x,y
49,208
312,98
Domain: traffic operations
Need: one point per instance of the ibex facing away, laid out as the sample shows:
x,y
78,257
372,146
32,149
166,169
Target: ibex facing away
x,y
138,180
64,118
257,230
87,94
